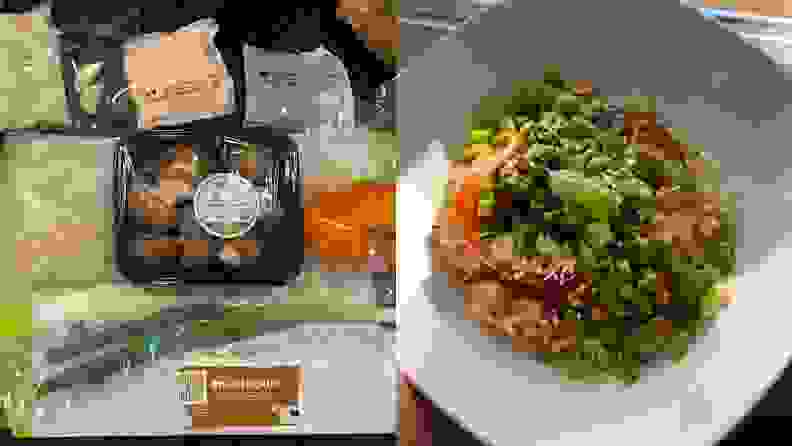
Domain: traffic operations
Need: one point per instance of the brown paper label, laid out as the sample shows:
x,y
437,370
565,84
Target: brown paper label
x,y
245,396
176,75
754,7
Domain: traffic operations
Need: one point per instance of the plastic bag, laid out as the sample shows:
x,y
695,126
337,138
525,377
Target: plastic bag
x,y
31,85
297,91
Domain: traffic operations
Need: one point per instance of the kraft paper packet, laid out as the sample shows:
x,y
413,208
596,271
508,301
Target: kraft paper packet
x,y
31,84
231,401
176,78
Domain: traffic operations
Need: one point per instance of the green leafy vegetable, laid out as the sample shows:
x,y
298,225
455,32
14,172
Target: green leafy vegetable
x,y
599,179
591,193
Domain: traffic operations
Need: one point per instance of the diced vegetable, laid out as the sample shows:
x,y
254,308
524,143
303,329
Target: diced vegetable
x,y
481,136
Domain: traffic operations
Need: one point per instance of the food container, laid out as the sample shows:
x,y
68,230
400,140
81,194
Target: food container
x,y
201,204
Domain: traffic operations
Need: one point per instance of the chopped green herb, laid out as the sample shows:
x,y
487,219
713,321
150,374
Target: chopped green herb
x,y
607,191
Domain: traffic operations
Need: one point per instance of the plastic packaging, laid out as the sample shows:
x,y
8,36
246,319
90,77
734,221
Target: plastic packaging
x,y
159,239
297,91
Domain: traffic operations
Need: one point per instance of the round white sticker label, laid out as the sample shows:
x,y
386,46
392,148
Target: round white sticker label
x,y
226,205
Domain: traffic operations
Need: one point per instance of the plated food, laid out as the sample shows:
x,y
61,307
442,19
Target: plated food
x,y
591,234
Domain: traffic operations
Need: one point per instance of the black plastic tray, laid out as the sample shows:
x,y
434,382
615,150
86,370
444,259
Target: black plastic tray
x,y
280,238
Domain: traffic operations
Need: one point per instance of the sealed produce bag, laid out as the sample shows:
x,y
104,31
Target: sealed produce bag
x,y
31,85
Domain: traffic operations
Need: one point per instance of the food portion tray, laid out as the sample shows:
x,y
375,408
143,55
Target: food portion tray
x,y
159,238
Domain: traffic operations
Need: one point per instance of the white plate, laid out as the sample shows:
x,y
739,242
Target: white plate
x,y
728,95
